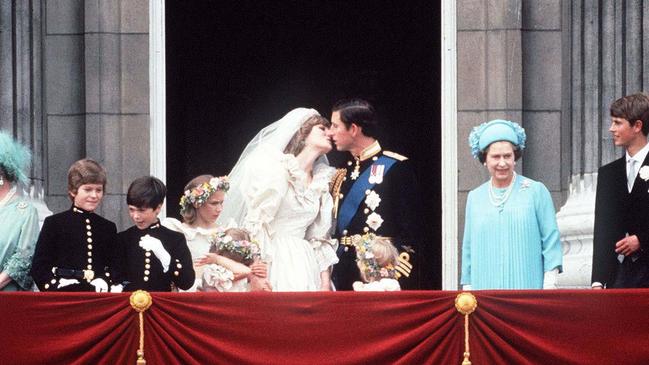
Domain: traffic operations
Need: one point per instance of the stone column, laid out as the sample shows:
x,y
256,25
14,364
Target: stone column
x,y
97,97
605,43
489,80
512,64
21,86
116,95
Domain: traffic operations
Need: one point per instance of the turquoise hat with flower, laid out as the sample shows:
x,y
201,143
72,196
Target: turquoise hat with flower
x,y
494,131
15,158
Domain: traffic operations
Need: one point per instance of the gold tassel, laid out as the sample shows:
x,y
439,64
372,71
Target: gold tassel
x,y
141,301
141,361
466,303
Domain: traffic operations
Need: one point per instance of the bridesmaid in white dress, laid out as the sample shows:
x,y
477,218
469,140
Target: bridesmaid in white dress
x,y
281,196
200,206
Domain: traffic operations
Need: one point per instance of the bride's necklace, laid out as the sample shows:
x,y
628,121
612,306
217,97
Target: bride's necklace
x,y
497,200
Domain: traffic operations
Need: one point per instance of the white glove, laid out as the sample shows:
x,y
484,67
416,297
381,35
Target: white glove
x,y
550,279
371,286
66,282
100,285
116,288
155,245
467,287
358,286
390,284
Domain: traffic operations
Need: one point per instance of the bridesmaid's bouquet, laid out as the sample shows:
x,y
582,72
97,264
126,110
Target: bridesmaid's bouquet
x,y
236,245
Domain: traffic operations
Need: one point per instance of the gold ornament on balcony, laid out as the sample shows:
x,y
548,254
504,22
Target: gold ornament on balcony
x,y
141,301
465,303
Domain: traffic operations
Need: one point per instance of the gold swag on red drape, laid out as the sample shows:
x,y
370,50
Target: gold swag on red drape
x,y
522,327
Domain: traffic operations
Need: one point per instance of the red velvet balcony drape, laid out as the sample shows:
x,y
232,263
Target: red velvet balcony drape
x,y
508,327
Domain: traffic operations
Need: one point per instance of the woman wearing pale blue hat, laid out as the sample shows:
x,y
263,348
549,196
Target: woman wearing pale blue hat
x,y
511,238
18,217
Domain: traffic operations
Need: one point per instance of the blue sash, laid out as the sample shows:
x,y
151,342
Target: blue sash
x,y
357,193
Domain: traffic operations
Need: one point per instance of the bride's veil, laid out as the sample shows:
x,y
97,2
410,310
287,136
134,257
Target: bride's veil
x,y
274,137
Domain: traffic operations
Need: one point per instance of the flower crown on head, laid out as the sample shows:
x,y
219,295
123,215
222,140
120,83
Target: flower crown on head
x,y
496,130
243,250
202,192
367,262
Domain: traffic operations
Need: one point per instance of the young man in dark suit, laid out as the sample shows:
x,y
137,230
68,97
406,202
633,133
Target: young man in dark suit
x,y
621,236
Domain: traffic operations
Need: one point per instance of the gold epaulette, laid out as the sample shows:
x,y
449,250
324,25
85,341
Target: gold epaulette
x,y
334,187
395,155
404,267
337,181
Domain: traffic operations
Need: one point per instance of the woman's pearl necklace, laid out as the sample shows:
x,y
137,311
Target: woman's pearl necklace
x,y
499,201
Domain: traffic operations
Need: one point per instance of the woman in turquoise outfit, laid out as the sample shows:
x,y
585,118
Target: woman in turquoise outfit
x,y
18,217
511,238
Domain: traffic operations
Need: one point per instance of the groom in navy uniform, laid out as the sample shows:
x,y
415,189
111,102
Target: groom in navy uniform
x,y
376,192
621,236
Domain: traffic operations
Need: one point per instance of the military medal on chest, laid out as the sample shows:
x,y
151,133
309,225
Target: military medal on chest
x,y
357,169
376,174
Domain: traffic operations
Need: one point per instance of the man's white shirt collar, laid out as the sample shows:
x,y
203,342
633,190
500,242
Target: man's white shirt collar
x,y
640,156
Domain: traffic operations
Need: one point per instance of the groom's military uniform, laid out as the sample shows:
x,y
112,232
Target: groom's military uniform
x,y
376,193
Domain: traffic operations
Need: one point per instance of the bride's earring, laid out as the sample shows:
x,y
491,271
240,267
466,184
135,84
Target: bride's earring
x,y
2,181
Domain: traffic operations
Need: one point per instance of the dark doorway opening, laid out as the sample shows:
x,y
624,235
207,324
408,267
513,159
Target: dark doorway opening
x,y
234,67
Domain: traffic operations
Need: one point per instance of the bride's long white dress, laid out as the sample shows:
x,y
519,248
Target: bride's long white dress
x,y
291,218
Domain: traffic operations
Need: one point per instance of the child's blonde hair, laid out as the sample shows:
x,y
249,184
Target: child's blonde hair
x,y
384,251
238,234
189,212
384,255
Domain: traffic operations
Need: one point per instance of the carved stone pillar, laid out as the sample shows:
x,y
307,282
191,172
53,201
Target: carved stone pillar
x,y
575,221
21,86
96,75
605,43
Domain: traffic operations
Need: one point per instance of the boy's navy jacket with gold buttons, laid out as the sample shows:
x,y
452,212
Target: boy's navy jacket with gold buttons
x,y
74,244
141,270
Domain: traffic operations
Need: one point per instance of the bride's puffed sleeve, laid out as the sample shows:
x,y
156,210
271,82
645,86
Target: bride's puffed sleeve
x,y
319,232
263,196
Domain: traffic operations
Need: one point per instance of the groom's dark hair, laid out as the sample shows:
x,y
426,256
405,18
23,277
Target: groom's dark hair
x,y
633,108
359,112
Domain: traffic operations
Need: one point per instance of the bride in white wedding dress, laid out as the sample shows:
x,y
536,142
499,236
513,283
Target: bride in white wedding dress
x,y
279,192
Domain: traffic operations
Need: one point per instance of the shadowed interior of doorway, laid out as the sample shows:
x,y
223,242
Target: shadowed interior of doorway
x,y
234,67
